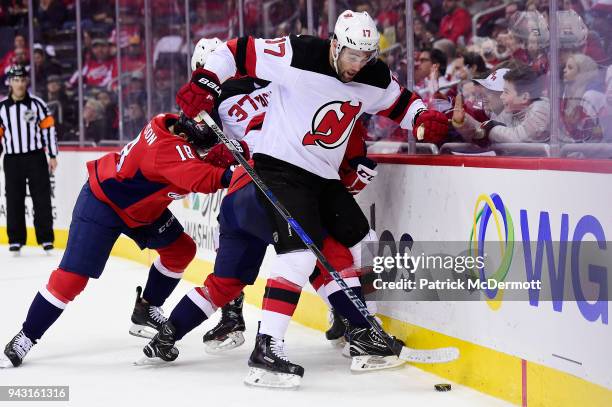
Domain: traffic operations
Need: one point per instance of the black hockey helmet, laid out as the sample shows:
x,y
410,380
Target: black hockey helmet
x,y
197,134
17,71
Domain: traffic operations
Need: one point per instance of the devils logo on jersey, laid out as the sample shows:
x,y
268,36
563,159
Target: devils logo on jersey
x,y
332,124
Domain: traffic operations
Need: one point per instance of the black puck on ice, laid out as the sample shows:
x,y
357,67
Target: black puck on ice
x,y
442,387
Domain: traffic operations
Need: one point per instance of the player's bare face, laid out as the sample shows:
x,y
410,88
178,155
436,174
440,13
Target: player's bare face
x,y
350,62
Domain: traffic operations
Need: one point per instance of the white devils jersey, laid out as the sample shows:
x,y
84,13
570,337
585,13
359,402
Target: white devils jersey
x,y
312,112
242,106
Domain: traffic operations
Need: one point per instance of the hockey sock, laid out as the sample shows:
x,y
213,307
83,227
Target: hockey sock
x,y
318,283
193,309
279,303
160,283
42,314
340,301
50,302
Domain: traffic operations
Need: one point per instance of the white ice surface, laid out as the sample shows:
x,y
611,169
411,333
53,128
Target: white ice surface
x,y
90,350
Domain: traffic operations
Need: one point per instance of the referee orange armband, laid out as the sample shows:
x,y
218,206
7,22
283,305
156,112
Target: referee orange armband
x,y
47,122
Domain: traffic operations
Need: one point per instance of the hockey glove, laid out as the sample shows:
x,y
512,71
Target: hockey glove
x,y
362,175
199,94
221,157
434,127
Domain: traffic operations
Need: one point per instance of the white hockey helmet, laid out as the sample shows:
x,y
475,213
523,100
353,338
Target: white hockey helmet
x,y
355,30
202,50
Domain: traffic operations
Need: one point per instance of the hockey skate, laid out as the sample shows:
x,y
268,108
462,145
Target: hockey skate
x,y
270,367
336,332
161,347
369,352
228,332
146,319
16,350
15,249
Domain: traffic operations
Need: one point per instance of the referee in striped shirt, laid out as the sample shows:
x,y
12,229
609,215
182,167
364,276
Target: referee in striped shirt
x,y
26,129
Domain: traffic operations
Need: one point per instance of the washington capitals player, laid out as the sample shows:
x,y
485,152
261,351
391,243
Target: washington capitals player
x,y
320,89
129,193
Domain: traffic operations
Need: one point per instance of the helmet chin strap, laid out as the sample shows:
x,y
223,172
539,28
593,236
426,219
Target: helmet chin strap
x,y
335,56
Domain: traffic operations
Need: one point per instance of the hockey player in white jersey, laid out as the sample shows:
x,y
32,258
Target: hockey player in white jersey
x,y
241,109
320,89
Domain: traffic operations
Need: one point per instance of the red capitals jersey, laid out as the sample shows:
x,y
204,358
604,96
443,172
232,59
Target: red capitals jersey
x,y
150,172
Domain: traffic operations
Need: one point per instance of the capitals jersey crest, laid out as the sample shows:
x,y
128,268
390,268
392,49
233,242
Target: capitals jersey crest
x,y
332,124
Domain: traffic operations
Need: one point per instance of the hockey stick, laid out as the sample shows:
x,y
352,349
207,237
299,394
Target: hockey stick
x,y
405,353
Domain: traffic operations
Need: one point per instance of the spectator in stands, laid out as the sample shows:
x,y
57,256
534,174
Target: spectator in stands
x,y
163,97
59,107
98,70
483,104
96,127
526,114
43,68
111,113
529,40
423,34
429,73
488,52
8,59
132,56
51,14
456,25
98,15
574,38
211,20
136,84
466,66
17,13
136,118
583,99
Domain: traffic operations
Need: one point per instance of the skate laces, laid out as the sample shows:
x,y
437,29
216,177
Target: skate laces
x,y
278,347
157,314
22,344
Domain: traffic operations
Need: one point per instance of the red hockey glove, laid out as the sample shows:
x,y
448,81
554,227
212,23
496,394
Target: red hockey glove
x,y
200,93
435,127
364,173
221,157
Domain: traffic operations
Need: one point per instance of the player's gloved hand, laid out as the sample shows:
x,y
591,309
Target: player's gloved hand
x,y
481,138
200,93
430,126
364,173
220,156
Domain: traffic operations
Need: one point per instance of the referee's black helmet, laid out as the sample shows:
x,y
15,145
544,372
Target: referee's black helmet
x,y
17,71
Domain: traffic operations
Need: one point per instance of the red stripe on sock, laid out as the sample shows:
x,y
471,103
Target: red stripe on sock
x,y
280,307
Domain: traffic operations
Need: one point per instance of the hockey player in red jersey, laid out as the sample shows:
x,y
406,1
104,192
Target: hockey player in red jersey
x,y
321,87
129,192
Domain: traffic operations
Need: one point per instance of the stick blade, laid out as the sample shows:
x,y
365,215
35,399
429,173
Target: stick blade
x,y
439,355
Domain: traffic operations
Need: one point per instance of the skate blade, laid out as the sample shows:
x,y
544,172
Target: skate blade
x,y
337,343
370,363
5,363
142,331
232,341
439,355
146,361
264,378
346,350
